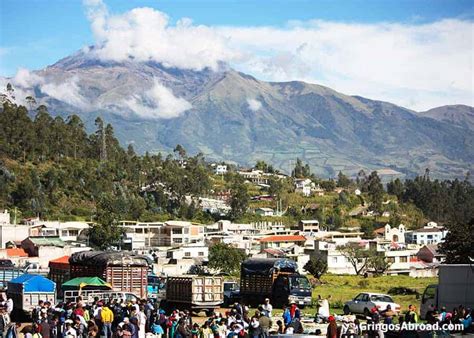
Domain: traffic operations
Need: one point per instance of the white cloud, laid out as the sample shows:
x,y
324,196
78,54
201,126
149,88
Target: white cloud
x,y
26,79
254,104
408,64
67,91
157,102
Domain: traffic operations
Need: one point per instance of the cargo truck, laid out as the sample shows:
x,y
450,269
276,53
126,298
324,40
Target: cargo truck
x,y
455,287
28,289
194,293
274,278
124,271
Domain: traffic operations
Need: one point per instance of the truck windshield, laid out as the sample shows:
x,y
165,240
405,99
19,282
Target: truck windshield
x,y
299,283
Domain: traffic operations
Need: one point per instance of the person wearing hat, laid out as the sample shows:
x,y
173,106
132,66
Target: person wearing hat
x,y
70,331
332,328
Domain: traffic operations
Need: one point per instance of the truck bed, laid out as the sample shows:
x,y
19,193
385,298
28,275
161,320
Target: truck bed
x,y
199,291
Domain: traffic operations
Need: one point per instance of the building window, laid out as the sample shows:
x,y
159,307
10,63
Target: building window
x,y
177,240
200,253
177,231
403,259
391,259
334,260
187,254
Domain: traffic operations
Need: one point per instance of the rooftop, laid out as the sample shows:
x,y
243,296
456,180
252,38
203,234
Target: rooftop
x,y
47,241
283,238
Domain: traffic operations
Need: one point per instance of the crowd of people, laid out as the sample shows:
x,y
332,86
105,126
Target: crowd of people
x,y
140,319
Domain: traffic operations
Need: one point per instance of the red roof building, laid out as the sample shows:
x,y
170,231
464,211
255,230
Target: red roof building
x,y
281,241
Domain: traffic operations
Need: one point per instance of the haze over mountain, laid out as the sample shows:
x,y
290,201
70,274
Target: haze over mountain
x,y
228,115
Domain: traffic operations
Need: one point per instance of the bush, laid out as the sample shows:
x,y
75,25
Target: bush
x,y
403,291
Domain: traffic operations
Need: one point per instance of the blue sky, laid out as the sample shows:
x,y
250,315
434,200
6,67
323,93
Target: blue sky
x,y
36,33
415,53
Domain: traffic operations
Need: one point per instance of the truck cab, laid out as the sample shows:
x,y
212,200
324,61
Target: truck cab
x,y
293,288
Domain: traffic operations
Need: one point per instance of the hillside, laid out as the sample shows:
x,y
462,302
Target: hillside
x,y
232,116
460,115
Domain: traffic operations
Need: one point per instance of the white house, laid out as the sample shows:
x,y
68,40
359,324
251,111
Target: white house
x,y
430,234
264,211
12,233
311,225
221,169
189,252
176,233
141,234
4,217
304,186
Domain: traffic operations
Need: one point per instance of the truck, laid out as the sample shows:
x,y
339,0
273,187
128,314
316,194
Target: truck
x,y
124,271
455,287
7,273
194,293
274,278
27,289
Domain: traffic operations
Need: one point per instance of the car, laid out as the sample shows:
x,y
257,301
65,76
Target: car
x,y
365,301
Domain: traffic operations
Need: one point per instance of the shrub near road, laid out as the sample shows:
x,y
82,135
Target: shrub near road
x,y
342,288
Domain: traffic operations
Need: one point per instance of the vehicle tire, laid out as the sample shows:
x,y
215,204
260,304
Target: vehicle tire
x,y
366,312
346,310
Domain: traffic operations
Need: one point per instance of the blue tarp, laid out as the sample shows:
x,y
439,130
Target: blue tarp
x,y
34,283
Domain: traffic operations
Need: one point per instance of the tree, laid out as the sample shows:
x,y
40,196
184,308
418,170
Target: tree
x,y
239,199
106,232
375,191
458,245
357,256
328,185
225,258
342,180
395,188
378,263
300,170
317,267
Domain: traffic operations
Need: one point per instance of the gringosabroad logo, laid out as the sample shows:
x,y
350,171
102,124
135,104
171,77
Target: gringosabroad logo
x,y
411,327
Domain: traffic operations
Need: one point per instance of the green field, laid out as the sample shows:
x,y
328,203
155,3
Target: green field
x,y
344,287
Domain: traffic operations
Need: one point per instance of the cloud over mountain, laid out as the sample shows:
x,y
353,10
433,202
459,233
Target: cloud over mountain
x,y
157,102
415,65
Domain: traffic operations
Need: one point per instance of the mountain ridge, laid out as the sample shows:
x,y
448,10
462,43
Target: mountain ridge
x,y
235,117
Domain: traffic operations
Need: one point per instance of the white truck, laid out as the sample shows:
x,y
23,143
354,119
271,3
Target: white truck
x,y
455,287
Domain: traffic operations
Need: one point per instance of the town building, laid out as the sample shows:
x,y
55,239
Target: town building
x,y
141,234
264,212
281,241
429,253
4,217
430,234
304,186
308,226
395,234
221,169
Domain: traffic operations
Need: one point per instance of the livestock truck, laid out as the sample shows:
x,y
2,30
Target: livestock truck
x,y
274,278
455,287
124,271
194,293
